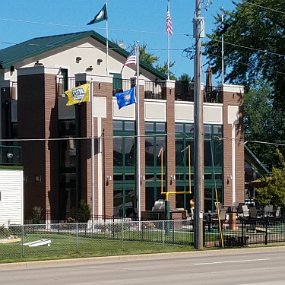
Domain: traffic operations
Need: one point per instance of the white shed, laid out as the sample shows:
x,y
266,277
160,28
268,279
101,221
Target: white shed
x,y
11,197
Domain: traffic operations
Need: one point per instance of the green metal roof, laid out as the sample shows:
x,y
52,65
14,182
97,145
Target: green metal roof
x,y
251,158
12,55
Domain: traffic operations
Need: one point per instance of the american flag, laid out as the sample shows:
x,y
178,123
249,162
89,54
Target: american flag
x,y
169,28
132,58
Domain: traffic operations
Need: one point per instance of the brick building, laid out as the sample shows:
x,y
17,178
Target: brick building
x,y
56,139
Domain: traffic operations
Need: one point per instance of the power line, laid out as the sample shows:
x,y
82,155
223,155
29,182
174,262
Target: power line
x,y
251,48
266,8
97,28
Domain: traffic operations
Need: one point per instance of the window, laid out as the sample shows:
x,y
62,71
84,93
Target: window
x,y
213,162
117,82
64,73
153,144
124,155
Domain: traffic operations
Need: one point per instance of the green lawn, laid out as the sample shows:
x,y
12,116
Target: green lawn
x,y
70,246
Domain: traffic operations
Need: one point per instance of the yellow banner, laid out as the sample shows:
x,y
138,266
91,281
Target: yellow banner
x,y
77,95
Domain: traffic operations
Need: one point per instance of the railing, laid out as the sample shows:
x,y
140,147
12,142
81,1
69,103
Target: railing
x,y
184,90
244,232
64,239
155,90
10,155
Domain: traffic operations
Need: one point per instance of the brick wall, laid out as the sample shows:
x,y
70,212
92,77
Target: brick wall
x,y
233,99
37,119
170,142
106,90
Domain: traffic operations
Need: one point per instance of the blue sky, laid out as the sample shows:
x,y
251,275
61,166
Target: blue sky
x,y
129,21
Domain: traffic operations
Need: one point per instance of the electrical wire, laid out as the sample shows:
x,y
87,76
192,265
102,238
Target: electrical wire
x,y
266,8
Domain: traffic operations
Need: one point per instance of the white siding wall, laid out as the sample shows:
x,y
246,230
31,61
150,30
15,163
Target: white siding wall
x,y
89,51
11,202
155,110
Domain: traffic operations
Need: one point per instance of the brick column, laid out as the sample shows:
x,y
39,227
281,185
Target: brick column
x,y
232,122
37,119
170,141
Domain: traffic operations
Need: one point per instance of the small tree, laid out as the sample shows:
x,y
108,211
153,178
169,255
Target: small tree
x,y
274,192
37,215
84,212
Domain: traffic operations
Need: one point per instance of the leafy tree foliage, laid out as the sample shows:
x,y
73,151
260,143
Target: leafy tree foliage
x,y
147,56
254,52
259,124
152,60
185,77
274,192
253,43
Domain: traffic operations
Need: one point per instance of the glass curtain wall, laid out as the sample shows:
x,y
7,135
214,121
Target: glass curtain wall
x,y
184,182
213,165
213,159
155,167
68,194
124,162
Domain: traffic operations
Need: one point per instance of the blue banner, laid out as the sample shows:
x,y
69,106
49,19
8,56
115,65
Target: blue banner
x,y
126,98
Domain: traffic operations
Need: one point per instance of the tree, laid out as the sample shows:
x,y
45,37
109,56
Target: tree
x,y
164,69
254,52
152,60
84,212
259,124
253,44
185,77
147,57
274,192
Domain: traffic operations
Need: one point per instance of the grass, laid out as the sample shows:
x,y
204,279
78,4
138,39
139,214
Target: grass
x,y
110,241
70,246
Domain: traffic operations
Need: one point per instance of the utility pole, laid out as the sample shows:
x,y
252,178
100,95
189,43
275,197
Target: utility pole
x,y
198,23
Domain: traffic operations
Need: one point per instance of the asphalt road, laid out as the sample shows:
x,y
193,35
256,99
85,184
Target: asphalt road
x,y
264,266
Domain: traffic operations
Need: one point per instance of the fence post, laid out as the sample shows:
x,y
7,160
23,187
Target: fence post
x,y
242,232
266,232
142,231
173,232
113,228
204,233
77,237
122,233
23,236
163,234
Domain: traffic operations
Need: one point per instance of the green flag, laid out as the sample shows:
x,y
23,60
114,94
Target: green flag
x,y
101,16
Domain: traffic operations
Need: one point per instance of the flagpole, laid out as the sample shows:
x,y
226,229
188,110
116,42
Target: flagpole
x,y
168,58
138,164
223,68
92,152
168,47
107,42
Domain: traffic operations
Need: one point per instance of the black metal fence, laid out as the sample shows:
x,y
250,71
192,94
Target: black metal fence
x,y
245,232
66,238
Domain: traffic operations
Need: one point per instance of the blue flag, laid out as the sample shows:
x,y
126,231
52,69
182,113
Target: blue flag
x,y
126,98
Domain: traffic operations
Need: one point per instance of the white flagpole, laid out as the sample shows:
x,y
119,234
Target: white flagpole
x,y
168,57
168,46
92,152
223,68
138,165
107,42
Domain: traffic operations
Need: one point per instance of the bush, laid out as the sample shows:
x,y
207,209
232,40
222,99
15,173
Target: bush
x,y
84,212
37,215
4,232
